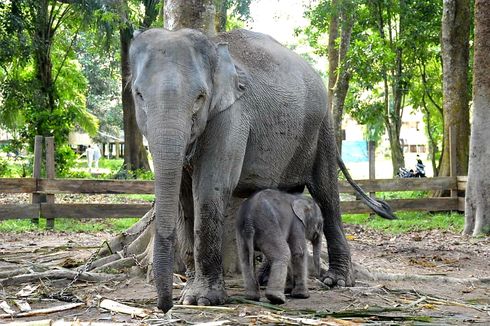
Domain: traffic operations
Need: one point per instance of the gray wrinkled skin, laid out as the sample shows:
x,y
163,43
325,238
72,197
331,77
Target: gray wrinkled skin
x,y
242,113
278,224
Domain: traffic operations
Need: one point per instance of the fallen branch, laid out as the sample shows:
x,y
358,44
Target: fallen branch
x,y
22,305
50,322
204,308
256,303
124,309
43,311
59,274
5,307
378,312
364,273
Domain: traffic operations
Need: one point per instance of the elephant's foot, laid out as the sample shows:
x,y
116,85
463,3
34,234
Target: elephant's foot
x,y
335,277
300,293
201,293
252,295
275,296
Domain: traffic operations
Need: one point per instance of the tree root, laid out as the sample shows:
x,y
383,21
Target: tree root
x,y
133,247
362,273
127,238
59,274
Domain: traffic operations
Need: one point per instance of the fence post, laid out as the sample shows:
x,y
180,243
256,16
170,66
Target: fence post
x,y
372,166
453,158
37,198
50,174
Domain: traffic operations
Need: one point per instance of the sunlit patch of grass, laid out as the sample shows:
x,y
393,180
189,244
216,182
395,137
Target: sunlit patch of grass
x,y
145,197
409,221
122,224
69,225
23,225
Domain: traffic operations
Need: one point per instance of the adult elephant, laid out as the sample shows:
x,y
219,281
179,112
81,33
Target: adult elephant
x,y
242,113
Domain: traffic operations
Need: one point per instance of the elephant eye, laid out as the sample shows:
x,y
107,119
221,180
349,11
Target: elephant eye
x,y
201,97
139,95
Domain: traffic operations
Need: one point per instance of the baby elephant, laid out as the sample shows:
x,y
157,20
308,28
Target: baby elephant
x,y
278,224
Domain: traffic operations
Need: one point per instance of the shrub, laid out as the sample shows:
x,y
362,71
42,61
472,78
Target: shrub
x,y
4,168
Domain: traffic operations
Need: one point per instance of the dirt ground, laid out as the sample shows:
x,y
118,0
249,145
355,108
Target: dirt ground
x,y
453,286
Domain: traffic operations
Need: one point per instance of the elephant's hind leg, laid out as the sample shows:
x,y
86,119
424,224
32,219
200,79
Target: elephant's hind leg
x,y
324,189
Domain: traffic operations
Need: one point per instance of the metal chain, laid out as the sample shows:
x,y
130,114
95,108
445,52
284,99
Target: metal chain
x,y
71,298
135,234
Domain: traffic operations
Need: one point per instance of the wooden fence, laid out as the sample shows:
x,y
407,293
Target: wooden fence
x,y
43,191
50,209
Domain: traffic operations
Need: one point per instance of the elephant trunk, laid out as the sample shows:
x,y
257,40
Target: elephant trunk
x,y
168,142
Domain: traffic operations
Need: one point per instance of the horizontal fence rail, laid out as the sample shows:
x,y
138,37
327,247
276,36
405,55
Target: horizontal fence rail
x,y
52,210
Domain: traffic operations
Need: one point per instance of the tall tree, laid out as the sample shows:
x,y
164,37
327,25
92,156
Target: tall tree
x,y
135,155
240,10
49,103
455,59
477,209
342,73
191,14
392,73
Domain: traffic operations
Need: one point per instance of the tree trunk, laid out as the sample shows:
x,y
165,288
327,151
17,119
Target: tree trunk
x,y
222,16
477,209
43,41
190,14
455,54
393,100
343,73
135,156
333,52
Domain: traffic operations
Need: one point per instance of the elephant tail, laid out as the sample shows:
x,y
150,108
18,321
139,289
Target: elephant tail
x,y
380,207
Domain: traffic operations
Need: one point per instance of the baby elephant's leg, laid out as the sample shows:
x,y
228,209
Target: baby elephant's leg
x,y
299,265
277,252
246,256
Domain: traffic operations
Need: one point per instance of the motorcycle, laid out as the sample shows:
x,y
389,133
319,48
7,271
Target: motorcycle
x,y
418,173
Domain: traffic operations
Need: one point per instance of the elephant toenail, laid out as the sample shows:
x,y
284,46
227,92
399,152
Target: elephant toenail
x,y
189,300
328,281
202,301
341,283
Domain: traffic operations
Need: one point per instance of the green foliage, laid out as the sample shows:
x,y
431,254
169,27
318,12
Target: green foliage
x,y
4,168
382,30
139,174
409,221
65,158
240,9
102,71
42,86
233,22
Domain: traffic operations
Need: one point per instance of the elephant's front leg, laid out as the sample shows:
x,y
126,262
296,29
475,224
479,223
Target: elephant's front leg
x,y
299,266
185,226
216,174
208,286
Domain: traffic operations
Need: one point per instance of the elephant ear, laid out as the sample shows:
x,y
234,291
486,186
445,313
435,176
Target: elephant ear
x,y
230,81
301,208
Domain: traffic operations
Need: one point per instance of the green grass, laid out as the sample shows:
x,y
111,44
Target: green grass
x,y
147,197
409,221
69,225
401,194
